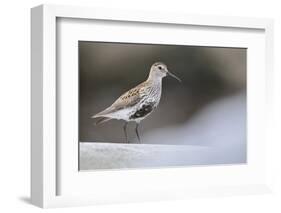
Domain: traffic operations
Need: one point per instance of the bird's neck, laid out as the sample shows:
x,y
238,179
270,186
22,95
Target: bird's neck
x,y
153,79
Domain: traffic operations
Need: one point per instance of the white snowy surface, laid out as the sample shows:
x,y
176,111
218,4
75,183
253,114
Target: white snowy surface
x,y
110,156
116,156
216,135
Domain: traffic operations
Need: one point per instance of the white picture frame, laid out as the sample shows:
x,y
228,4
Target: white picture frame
x,y
45,174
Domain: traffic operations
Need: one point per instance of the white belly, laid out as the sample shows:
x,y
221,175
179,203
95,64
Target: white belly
x,y
123,114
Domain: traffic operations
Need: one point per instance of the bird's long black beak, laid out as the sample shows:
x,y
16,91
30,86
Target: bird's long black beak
x,y
172,75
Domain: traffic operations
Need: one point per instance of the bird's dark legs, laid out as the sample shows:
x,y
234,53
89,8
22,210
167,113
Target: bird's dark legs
x,y
137,132
125,131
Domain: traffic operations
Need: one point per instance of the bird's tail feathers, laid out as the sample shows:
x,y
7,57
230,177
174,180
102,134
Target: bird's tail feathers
x,y
103,113
97,115
102,120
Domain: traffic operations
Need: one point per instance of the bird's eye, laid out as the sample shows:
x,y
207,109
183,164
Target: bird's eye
x,y
160,68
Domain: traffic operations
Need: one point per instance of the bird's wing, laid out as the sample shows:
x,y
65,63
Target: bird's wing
x,y
128,99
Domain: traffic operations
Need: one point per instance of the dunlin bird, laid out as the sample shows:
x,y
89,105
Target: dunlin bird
x,y
139,102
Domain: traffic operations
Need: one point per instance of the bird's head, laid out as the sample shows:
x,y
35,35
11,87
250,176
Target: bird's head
x,y
160,70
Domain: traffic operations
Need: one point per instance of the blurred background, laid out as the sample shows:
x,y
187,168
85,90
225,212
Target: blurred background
x,y
208,106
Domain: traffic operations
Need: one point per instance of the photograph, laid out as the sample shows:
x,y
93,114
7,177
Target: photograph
x,y
161,105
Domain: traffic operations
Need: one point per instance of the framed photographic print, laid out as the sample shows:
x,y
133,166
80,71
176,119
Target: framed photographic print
x,y
130,106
